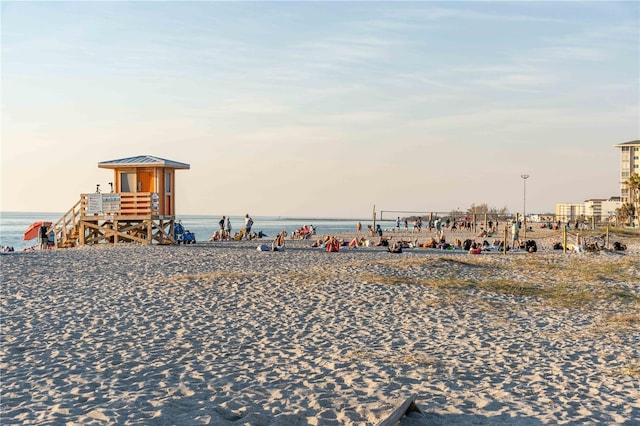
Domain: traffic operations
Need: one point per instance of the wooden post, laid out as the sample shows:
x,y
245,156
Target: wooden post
x,y
150,231
408,406
474,222
374,218
81,239
505,240
564,240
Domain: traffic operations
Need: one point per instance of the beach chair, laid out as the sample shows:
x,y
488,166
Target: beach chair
x,y
240,234
189,237
178,233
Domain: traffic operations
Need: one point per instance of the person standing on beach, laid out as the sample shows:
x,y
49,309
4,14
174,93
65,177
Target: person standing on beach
x,y
44,239
227,227
221,225
248,223
358,228
515,235
398,224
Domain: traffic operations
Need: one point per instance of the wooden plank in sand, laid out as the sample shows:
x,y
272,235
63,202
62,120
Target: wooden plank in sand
x,y
407,407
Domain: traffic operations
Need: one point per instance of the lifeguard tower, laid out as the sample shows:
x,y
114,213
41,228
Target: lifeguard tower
x,y
140,207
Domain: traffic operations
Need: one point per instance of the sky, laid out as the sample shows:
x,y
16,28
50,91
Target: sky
x,y
321,109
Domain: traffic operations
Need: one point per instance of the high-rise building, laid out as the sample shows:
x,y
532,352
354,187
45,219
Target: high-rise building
x,y
629,164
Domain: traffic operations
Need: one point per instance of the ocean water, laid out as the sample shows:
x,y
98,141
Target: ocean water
x,y
13,225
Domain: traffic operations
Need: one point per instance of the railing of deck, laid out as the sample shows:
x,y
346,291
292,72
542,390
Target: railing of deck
x,y
128,204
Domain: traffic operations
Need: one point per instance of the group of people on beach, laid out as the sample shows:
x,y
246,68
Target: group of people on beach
x,y
331,243
437,224
439,240
304,232
224,233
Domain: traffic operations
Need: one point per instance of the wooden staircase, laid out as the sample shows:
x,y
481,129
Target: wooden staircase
x,y
67,229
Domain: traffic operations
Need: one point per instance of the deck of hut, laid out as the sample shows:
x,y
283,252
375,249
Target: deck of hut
x,y
140,208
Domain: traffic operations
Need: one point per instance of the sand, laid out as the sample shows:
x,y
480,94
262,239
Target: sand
x,y
220,334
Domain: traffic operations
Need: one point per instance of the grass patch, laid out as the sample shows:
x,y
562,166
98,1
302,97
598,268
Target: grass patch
x,y
620,323
621,232
632,369
631,320
573,295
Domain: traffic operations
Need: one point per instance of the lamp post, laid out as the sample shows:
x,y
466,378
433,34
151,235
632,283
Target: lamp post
x,y
524,204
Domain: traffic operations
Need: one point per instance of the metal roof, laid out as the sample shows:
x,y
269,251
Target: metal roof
x,y
142,161
629,143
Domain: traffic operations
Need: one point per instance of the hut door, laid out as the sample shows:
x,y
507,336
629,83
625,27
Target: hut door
x,y
146,180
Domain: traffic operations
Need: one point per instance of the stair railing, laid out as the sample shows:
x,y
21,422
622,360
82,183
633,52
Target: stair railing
x,y
65,229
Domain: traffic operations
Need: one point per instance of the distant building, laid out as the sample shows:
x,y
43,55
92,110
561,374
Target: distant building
x,y
593,207
629,164
569,212
601,209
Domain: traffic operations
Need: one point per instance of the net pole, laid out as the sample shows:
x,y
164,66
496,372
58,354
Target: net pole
x,y
374,218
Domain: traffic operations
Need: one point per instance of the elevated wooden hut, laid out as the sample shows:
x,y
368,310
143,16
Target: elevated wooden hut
x,y
140,208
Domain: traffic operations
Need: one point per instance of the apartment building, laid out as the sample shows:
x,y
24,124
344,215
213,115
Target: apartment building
x,y
629,164
601,209
569,212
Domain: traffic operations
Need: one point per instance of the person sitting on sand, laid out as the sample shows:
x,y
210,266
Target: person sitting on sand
x,y
357,242
578,247
396,247
431,244
408,243
384,242
333,245
443,244
215,236
482,233
278,242
475,248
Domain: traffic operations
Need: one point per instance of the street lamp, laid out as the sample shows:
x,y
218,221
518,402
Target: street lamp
x,y
524,204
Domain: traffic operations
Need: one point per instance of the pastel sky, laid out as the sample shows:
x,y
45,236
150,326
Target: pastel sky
x,y
321,109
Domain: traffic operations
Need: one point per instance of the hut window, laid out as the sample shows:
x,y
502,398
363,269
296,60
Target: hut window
x,y
167,183
127,182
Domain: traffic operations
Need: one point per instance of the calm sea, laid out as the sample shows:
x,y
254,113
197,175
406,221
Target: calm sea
x,y
13,225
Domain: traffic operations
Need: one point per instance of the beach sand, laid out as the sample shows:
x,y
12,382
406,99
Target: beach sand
x,y
221,334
